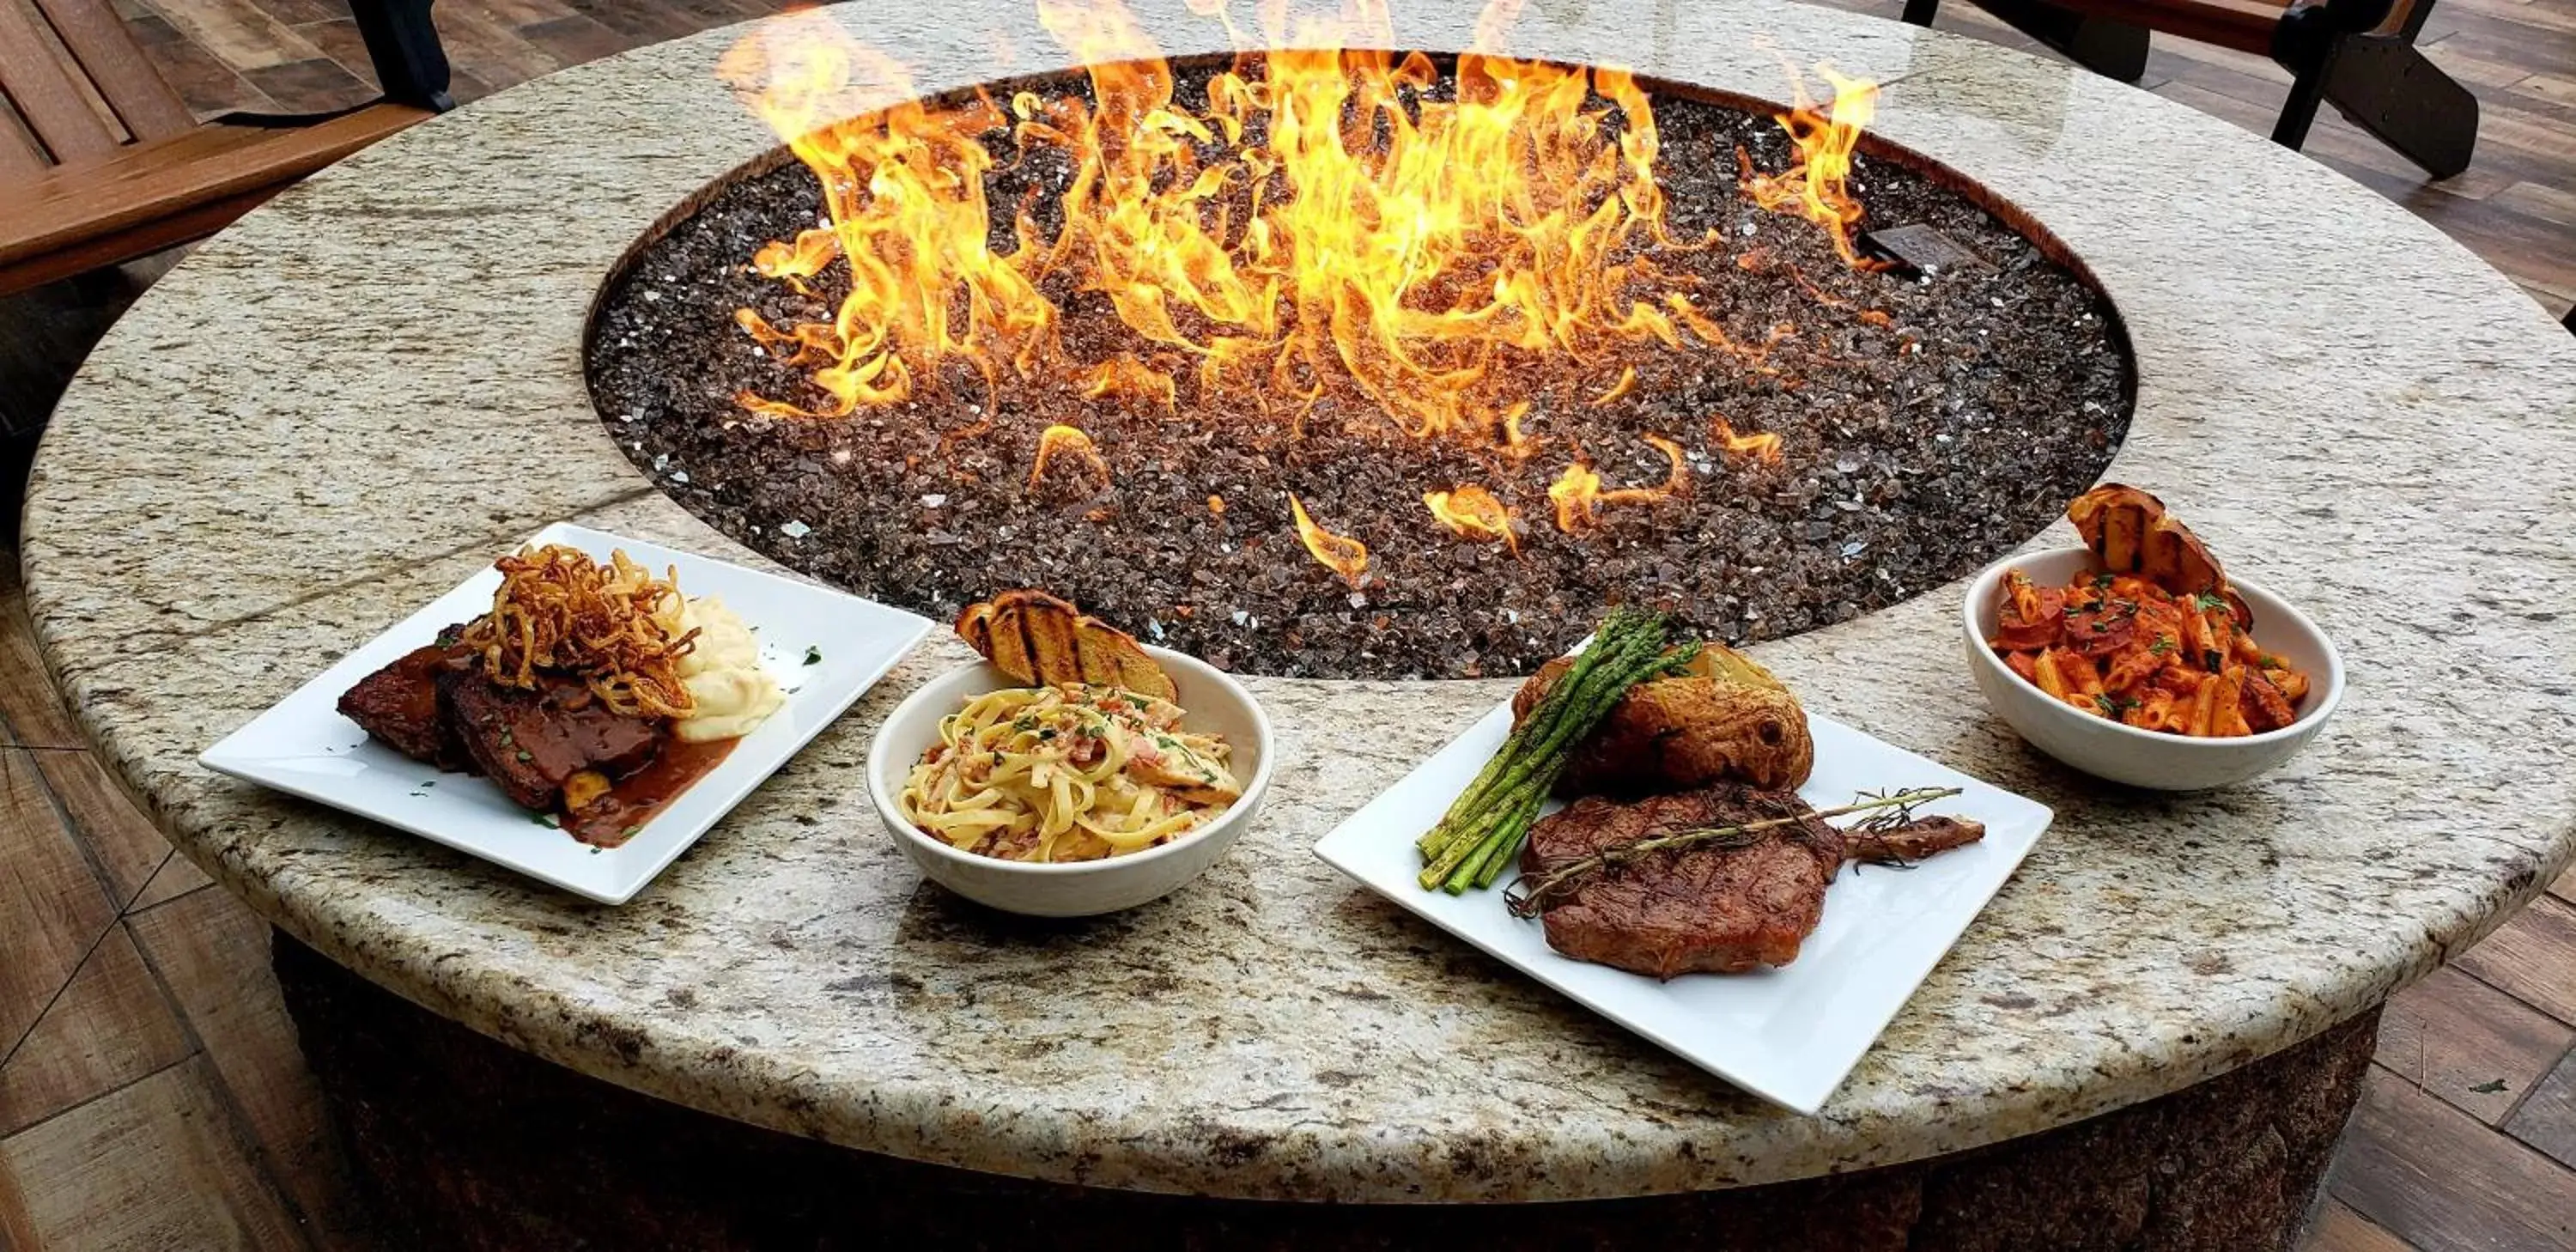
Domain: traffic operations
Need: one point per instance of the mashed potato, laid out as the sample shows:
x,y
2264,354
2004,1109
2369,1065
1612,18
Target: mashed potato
x,y
723,674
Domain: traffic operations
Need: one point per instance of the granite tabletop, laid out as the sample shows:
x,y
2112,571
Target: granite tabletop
x,y
364,390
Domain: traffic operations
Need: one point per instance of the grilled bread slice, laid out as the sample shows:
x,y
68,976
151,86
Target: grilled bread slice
x,y
2131,533
1039,639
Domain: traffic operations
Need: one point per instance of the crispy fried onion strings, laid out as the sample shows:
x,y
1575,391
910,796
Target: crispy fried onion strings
x,y
559,610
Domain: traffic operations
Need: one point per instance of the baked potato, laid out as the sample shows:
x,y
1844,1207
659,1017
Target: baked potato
x,y
1725,719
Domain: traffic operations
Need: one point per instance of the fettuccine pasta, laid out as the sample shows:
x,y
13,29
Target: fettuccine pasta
x,y
1067,773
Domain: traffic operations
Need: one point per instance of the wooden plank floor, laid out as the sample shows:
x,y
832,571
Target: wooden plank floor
x,y
151,1096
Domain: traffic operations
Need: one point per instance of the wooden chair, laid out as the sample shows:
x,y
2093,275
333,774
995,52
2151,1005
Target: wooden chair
x,y
2357,55
101,162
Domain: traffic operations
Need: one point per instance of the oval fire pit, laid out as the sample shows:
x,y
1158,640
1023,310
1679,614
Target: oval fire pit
x,y
1701,379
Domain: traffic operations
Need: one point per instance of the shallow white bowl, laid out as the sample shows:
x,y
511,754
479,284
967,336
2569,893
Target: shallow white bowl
x,y
2126,754
1213,701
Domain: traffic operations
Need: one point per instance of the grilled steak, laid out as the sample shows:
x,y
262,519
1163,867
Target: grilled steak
x,y
1705,908
398,706
530,742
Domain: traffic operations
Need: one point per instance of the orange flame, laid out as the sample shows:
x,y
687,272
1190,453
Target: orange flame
x,y
1619,390
1517,444
1125,376
1576,493
1579,499
1322,220
1761,445
1816,187
1319,223
903,185
1341,554
1066,439
1473,512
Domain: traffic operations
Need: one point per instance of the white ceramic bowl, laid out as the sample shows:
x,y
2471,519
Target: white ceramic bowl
x,y
1212,700
2126,754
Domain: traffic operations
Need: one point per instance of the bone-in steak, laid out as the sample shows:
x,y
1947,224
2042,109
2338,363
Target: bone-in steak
x,y
1705,907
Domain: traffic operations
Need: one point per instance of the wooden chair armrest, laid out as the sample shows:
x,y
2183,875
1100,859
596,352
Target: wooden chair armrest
x,y
141,183
2245,25
2256,26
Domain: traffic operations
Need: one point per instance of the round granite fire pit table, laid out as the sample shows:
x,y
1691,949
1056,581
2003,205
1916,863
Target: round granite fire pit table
x,y
362,392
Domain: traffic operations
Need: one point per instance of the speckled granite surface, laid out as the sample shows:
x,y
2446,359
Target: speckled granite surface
x,y
350,400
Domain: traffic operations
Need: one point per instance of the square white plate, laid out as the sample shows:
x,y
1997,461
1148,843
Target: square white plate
x,y
303,746
1788,1035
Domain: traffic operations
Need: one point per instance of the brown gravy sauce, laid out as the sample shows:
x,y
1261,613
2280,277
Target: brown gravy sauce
x,y
614,818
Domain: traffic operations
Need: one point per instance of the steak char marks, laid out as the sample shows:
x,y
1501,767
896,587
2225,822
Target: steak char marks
x,y
1705,908
531,742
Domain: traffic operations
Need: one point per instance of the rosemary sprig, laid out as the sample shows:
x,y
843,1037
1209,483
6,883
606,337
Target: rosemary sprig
x,y
1525,898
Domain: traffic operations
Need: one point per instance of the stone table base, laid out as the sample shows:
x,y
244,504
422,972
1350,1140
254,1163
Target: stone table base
x,y
465,1143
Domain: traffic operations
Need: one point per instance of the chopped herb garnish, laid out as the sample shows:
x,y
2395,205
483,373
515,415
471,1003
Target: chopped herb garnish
x,y
524,756
2102,581
547,820
2208,601
2162,645
2109,709
813,655
1046,734
2270,661
2489,1087
629,832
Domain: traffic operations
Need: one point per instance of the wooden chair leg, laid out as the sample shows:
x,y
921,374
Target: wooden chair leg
x,y
2380,82
2299,112
2386,86
404,46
